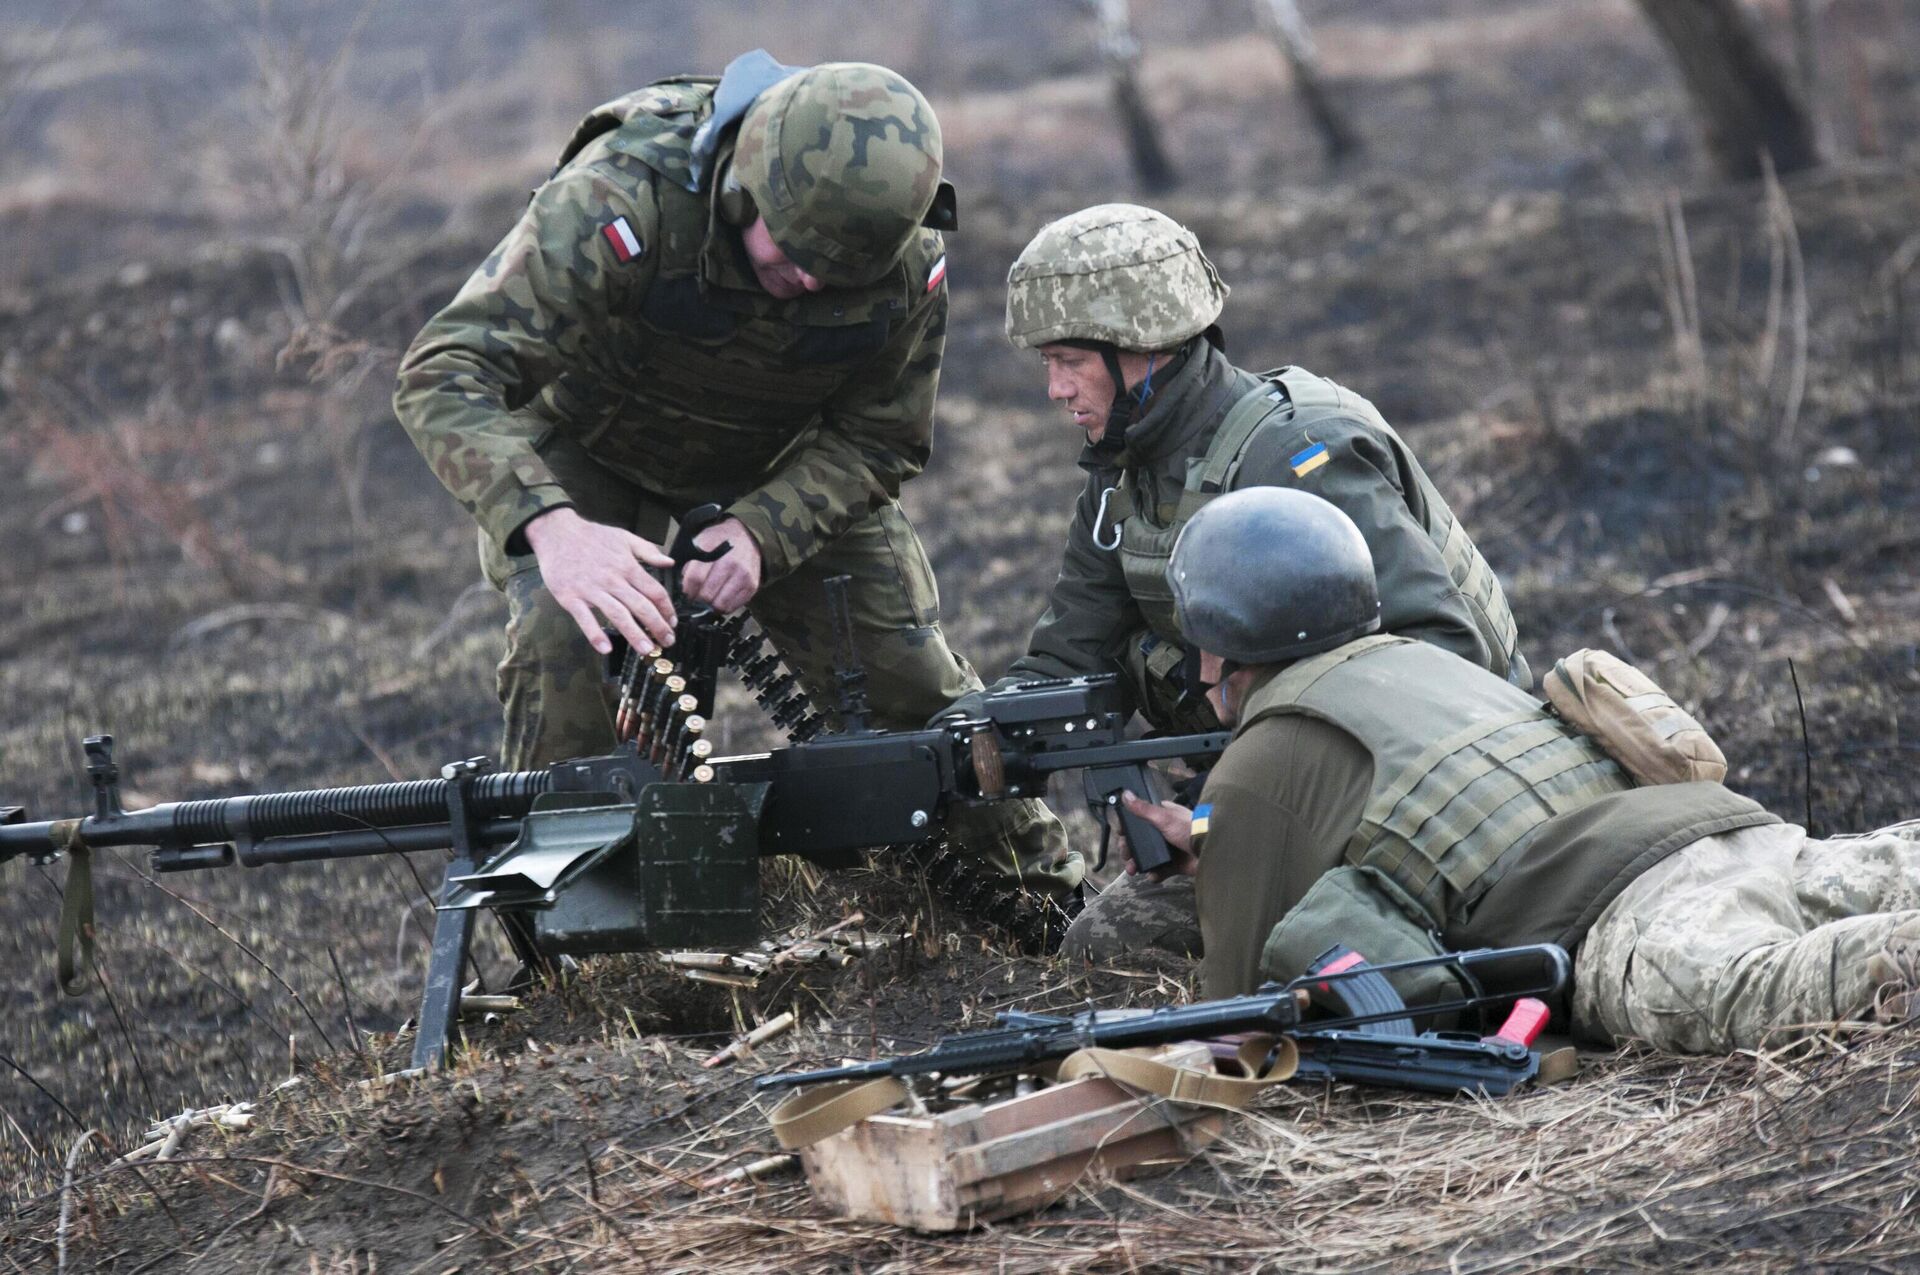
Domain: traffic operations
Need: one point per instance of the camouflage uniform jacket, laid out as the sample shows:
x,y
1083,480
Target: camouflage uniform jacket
x,y
1095,619
622,311
1333,817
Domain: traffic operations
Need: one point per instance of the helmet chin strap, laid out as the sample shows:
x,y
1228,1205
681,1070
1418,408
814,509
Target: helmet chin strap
x,y
1127,405
1193,684
1121,411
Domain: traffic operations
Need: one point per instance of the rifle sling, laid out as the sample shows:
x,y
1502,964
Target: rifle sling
x,y
807,1116
1188,1084
1557,1066
76,909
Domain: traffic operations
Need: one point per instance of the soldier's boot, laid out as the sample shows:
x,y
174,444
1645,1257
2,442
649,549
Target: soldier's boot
x,y
1136,914
1022,840
1895,974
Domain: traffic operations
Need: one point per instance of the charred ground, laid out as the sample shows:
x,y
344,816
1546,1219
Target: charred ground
x,y
1679,418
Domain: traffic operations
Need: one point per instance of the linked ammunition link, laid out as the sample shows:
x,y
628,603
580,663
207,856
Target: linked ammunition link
x,y
1034,921
774,686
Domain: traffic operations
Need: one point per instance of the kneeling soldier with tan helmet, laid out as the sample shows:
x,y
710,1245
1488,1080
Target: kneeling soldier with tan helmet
x,y
1123,308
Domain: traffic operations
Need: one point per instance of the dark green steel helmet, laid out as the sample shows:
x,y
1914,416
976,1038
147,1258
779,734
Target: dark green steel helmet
x,y
843,161
1269,574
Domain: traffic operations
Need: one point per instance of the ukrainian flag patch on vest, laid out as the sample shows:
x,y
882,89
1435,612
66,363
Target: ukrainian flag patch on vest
x,y
1201,815
1304,463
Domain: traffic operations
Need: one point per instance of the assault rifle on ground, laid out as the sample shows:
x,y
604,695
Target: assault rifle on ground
x,y
656,844
1368,1034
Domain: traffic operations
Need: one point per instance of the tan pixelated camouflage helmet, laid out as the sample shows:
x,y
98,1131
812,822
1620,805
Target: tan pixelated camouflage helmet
x,y
1118,274
843,161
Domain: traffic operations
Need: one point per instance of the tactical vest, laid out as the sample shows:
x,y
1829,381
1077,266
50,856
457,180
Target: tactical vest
x,y
1146,545
1466,768
704,386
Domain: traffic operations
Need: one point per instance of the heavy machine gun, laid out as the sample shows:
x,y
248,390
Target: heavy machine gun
x,y
656,844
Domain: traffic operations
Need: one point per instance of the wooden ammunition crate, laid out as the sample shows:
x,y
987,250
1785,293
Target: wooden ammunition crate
x,y
991,1160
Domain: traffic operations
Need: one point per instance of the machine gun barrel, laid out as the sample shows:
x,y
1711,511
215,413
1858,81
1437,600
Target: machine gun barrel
x,y
179,824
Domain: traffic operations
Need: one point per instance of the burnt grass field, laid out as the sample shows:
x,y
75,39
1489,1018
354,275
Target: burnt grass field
x,y
1679,416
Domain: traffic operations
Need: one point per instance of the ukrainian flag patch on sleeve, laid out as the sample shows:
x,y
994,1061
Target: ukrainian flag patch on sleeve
x,y
1201,814
1304,463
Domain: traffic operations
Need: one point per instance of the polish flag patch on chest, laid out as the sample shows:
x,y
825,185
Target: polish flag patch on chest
x,y
626,244
938,274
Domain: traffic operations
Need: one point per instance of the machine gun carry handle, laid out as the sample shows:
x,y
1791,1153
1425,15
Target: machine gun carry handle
x,y
692,523
694,638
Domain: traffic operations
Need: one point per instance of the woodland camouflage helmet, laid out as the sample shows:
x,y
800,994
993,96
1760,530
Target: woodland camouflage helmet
x,y
1269,573
843,161
1115,274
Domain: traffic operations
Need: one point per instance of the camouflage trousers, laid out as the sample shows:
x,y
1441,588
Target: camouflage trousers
x,y
1746,938
1133,914
557,704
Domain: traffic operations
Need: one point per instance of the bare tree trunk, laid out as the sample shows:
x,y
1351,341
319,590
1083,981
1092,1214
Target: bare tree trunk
x,y
1747,105
1283,22
1122,52
1806,46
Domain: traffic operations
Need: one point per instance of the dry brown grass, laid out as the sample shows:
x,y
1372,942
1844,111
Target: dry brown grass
x,y
1798,1157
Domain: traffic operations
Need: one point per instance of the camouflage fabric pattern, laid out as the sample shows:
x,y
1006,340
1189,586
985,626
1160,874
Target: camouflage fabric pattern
x,y
1118,273
672,366
1136,914
843,161
1747,939
557,704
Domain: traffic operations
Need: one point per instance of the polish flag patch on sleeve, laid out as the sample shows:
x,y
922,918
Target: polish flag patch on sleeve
x,y
937,275
626,244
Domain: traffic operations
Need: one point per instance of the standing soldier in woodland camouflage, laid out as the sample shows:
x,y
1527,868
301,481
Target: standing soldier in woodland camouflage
x,y
729,291
1121,305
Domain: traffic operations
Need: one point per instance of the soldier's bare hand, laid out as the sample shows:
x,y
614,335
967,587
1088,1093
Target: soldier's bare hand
x,y
598,576
1175,823
730,581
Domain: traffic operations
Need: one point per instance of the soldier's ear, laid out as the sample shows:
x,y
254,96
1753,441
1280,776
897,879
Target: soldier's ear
x,y
944,214
736,205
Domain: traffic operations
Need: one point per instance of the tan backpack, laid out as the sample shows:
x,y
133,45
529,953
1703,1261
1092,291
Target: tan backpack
x,y
1636,722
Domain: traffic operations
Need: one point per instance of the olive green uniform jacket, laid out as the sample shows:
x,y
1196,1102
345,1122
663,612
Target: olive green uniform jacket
x,y
622,312
1397,799
1107,614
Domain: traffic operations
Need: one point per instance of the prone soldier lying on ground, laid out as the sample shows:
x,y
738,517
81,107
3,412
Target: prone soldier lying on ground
x,y
1123,307
1391,795
729,291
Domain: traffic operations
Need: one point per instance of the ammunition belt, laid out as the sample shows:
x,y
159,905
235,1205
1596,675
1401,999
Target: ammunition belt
x,y
1035,922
